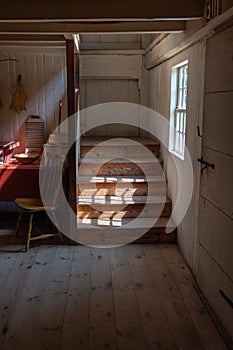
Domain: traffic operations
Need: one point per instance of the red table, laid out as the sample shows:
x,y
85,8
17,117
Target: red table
x,y
18,180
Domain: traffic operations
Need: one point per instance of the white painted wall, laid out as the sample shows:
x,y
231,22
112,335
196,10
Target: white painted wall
x,y
110,41
96,91
110,77
160,90
43,73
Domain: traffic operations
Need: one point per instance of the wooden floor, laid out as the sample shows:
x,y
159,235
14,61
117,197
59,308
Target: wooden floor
x,y
76,297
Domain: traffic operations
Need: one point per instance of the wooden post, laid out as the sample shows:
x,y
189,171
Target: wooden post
x,y
71,176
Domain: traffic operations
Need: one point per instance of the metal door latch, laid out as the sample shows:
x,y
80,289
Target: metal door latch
x,y
206,164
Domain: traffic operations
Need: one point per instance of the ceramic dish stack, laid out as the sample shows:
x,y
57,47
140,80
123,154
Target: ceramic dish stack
x,y
34,133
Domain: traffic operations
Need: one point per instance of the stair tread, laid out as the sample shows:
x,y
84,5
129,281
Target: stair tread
x,y
114,141
122,179
115,200
119,200
119,160
135,223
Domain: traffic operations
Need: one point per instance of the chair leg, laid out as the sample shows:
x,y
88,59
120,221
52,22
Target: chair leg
x,y
60,235
55,223
18,224
29,233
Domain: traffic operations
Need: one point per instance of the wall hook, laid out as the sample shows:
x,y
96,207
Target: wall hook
x,y
198,131
206,164
19,79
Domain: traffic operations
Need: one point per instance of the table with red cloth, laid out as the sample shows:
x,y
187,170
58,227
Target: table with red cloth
x,y
17,180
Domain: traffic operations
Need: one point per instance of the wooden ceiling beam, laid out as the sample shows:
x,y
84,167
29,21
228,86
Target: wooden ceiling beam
x,y
92,9
92,27
32,38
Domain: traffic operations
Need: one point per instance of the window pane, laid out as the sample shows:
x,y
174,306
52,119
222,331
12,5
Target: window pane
x,y
178,116
185,99
186,76
179,99
182,123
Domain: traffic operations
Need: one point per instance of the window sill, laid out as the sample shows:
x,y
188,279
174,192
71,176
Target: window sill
x,y
180,156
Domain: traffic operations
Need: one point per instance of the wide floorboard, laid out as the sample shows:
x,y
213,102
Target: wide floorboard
x,y
58,297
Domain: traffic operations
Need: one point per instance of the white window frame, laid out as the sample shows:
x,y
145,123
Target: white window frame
x,y
178,111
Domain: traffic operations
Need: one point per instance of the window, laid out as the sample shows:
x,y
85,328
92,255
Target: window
x,y
179,86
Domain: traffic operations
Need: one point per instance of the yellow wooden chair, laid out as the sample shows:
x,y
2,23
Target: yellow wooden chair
x,y
50,189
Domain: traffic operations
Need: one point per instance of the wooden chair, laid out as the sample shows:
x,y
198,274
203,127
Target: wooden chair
x,y
50,190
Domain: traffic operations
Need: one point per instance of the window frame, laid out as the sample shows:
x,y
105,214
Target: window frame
x,y
178,113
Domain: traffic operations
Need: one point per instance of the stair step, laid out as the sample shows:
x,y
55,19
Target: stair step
x,y
99,237
158,235
88,234
113,140
119,167
129,211
118,186
115,179
113,191
119,200
118,147
115,223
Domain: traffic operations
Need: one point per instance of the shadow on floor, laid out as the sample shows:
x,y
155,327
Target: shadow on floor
x,y
41,224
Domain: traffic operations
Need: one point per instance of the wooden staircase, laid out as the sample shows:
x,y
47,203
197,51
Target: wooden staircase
x,y
113,183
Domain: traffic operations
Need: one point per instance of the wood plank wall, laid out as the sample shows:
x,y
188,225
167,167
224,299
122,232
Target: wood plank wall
x,y
110,70
205,235
215,263
160,89
43,73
